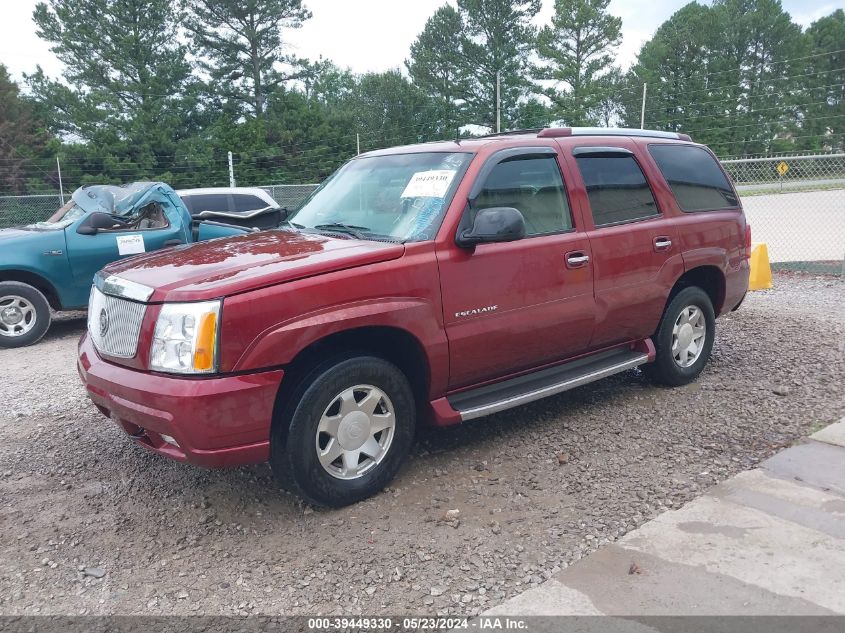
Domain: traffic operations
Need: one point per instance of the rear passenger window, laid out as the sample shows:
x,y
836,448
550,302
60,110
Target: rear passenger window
x,y
533,185
617,189
245,202
694,176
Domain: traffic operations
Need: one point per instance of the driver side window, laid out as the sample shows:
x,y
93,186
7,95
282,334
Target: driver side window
x,y
148,218
532,184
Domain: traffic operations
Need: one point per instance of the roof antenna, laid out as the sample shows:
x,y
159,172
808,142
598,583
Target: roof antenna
x,y
458,135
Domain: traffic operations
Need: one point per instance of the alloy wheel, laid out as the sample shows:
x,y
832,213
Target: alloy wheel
x,y
355,432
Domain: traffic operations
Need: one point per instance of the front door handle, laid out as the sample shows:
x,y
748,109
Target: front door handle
x,y
577,259
662,244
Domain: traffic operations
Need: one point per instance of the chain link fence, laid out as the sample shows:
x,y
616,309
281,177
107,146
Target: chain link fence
x,y
22,210
795,204
289,196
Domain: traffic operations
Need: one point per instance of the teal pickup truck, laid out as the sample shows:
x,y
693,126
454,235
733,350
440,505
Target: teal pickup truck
x,y
51,264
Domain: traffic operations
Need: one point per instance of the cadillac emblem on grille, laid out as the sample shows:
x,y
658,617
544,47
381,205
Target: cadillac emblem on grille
x,y
104,322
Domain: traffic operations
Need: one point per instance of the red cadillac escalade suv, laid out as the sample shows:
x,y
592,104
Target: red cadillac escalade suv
x,y
431,283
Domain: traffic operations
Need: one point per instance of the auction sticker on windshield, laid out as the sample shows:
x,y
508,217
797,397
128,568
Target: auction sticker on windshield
x,y
429,184
130,244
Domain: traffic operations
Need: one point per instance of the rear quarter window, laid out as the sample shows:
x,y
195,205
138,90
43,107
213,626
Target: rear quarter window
x,y
697,181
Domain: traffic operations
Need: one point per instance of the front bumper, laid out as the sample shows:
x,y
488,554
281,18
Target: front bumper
x,y
215,422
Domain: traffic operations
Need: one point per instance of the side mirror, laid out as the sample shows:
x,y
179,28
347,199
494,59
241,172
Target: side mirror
x,y
97,222
497,224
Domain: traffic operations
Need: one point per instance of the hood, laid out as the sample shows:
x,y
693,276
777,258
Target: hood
x,y
231,265
113,199
20,236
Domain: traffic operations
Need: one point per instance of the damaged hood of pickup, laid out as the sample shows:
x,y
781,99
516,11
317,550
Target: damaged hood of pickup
x,y
238,264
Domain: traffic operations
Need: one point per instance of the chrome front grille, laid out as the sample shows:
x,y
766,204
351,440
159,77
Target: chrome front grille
x,y
114,324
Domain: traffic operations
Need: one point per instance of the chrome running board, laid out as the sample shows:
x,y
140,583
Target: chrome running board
x,y
546,382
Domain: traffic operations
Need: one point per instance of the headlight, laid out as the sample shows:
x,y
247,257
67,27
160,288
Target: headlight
x,y
185,339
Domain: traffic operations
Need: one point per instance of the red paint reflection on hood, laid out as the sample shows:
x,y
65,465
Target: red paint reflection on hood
x,y
231,265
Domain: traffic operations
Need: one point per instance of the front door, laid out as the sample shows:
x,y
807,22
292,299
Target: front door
x,y
513,306
89,253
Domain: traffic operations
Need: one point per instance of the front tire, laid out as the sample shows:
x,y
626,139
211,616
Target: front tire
x,y
684,339
351,425
24,314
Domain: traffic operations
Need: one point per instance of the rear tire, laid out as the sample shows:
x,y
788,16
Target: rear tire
x,y
351,424
684,339
24,314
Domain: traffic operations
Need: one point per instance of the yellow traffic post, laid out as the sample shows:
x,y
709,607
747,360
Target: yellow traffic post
x,y
761,271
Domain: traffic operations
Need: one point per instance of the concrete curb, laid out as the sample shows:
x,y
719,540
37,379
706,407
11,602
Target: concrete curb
x,y
769,541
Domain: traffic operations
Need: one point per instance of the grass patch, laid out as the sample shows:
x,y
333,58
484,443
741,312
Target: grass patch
x,y
834,267
774,189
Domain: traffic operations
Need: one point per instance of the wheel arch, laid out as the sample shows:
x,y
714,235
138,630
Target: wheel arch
x,y
711,279
36,281
393,344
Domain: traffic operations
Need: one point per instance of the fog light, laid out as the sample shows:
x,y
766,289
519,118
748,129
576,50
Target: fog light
x,y
169,440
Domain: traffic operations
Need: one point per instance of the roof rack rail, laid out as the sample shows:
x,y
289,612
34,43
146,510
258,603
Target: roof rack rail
x,y
554,132
558,132
530,130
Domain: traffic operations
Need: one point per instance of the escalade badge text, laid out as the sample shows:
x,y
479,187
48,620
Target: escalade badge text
x,y
474,311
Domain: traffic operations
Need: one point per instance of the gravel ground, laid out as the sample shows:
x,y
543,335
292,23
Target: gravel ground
x,y
91,524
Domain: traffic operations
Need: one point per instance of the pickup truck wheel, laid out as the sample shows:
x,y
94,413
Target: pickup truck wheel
x,y
24,314
350,430
684,339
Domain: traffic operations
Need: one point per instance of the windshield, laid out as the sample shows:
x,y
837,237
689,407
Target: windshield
x,y
64,217
401,197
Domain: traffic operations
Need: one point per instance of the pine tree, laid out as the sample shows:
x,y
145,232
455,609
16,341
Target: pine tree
x,y
21,138
823,108
675,64
498,38
125,75
436,66
761,57
576,50
240,45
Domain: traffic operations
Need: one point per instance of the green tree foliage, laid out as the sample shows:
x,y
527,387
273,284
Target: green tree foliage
x,y
23,142
125,73
760,56
823,102
576,50
610,89
498,38
239,44
133,104
390,110
676,64
437,66
730,74
327,83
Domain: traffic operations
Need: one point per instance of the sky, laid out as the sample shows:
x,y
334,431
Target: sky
x,y
371,35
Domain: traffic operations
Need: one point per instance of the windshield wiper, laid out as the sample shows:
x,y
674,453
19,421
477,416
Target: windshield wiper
x,y
339,227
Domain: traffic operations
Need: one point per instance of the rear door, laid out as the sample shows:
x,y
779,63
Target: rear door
x,y
516,305
636,255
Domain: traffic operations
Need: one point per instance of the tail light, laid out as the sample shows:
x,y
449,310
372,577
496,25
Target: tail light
x,y
747,241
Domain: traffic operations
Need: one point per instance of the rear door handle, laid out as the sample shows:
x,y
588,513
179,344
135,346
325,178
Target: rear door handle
x,y
662,244
577,259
